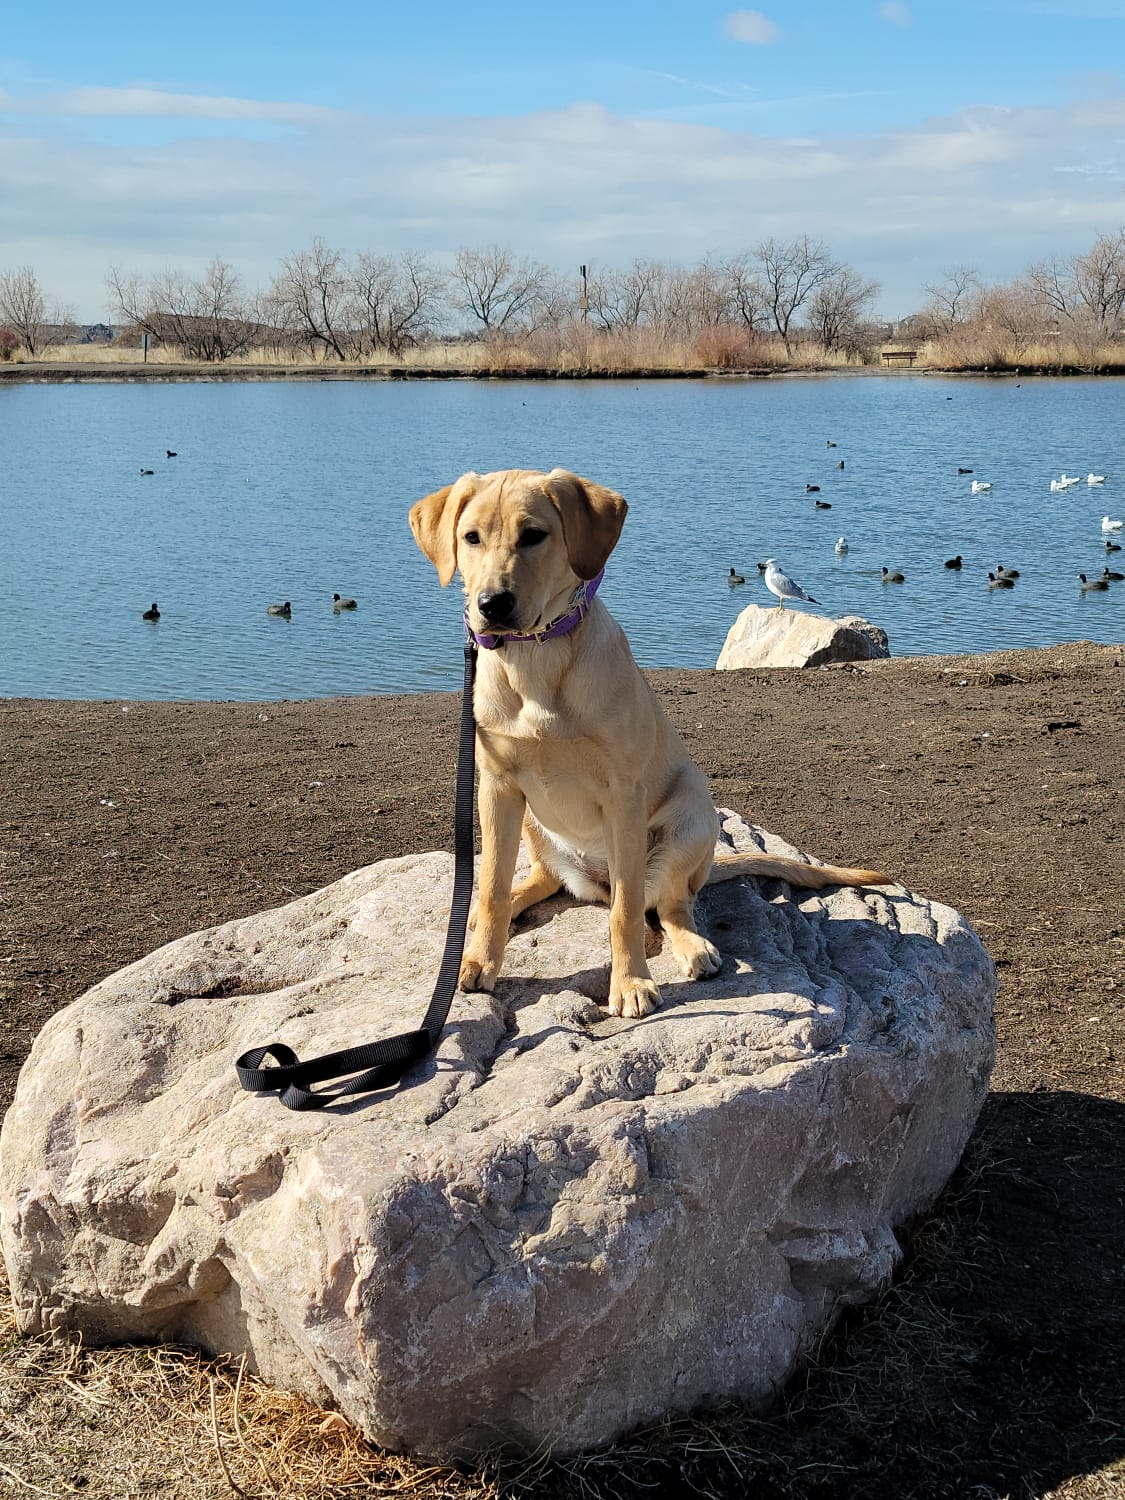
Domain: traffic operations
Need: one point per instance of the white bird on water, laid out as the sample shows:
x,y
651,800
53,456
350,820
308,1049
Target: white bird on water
x,y
842,545
1107,525
1095,478
980,485
783,586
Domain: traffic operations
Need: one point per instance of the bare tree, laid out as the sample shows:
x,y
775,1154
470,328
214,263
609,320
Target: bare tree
x,y
624,299
1016,310
396,299
209,318
838,307
696,299
1099,280
791,270
23,307
951,298
748,296
312,297
1052,283
500,292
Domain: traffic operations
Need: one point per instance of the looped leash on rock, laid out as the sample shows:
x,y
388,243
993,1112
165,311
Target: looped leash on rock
x,y
379,1065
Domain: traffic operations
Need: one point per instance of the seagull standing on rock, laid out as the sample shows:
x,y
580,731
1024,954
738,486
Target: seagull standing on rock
x,y
783,586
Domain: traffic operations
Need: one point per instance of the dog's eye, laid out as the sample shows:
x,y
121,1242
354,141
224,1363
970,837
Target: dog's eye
x,y
472,537
531,536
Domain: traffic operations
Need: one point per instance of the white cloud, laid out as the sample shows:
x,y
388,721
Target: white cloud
x,y
750,26
897,15
1001,188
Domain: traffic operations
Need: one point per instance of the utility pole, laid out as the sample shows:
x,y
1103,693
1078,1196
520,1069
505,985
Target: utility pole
x,y
585,317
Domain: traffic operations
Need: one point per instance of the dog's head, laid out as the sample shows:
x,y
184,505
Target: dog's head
x,y
521,540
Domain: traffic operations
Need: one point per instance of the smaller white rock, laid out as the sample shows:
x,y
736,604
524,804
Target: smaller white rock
x,y
791,638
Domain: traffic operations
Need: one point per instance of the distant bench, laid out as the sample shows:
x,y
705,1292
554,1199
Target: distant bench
x,y
899,356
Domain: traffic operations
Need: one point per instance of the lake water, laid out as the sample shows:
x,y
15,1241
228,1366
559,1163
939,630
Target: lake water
x,y
297,491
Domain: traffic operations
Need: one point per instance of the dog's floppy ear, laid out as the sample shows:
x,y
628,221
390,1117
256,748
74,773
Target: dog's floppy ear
x,y
433,520
592,518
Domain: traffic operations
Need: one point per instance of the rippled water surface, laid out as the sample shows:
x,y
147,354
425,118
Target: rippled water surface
x,y
299,491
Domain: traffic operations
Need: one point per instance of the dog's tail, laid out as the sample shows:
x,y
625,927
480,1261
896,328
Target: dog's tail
x,y
777,867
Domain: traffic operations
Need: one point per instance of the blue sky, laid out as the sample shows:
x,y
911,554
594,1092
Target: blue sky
x,y
908,136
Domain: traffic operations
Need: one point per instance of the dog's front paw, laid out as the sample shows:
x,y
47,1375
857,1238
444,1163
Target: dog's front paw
x,y
698,959
477,974
633,997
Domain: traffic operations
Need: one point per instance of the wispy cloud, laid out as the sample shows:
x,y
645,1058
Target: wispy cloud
x,y
742,92
896,14
751,26
134,103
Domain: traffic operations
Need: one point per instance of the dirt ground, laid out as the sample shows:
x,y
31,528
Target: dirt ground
x,y
996,1365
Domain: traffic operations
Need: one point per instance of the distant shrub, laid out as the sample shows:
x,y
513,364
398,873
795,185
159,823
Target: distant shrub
x,y
725,346
9,343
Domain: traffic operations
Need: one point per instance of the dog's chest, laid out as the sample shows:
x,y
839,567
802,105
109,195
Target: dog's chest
x,y
539,715
539,743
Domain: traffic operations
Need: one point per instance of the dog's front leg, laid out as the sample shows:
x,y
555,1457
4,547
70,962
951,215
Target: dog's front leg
x,y
501,808
631,990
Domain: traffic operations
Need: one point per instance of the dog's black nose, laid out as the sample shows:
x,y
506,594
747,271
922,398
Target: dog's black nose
x,y
497,608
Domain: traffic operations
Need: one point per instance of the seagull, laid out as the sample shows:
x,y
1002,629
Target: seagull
x,y
954,562
1055,485
842,545
339,603
735,578
1108,525
1112,577
812,489
1000,583
1095,478
1065,483
783,586
285,609
151,614
1003,572
1092,583
889,577
978,486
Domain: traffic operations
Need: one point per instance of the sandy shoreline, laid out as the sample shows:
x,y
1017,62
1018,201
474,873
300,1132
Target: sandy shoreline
x,y
992,783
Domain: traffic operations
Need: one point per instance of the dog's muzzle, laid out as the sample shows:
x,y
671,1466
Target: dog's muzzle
x,y
497,608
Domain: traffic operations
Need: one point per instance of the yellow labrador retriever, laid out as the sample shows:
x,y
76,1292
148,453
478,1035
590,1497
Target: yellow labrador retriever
x,y
572,743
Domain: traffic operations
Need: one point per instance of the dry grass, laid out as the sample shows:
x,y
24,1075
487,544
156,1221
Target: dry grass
x,y
973,348
453,356
138,1420
565,351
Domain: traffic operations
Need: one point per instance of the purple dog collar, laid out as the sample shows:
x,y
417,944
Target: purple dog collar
x,y
579,607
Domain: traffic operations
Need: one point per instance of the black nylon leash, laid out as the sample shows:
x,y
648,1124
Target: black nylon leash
x,y
380,1065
